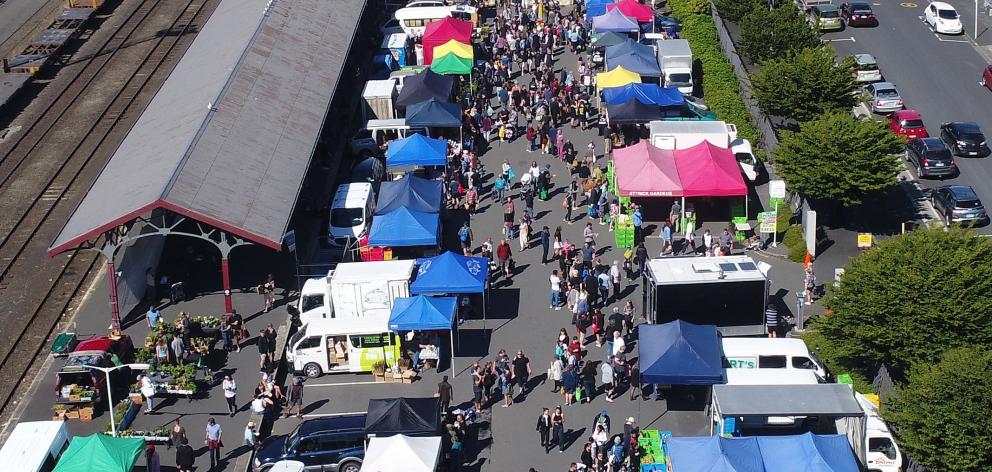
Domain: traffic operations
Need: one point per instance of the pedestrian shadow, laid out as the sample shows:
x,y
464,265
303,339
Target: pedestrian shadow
x,y
473,343
314,406
573,435
503,304
475,466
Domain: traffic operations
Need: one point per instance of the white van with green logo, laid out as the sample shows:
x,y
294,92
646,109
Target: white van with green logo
x,y
331,345
770,353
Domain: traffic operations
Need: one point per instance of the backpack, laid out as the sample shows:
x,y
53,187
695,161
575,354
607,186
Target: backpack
x,y
463,234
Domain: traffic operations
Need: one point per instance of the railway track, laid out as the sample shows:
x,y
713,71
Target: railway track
x,y
47,170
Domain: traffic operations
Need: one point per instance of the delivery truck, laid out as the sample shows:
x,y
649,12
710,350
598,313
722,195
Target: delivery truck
x,y
728,291
675,59
673,135
356,290
882,452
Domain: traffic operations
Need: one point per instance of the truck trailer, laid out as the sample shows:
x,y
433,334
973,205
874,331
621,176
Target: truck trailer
x,y
356,290
675,59
673,135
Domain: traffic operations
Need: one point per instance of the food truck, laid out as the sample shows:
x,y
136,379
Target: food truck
x,y
324,346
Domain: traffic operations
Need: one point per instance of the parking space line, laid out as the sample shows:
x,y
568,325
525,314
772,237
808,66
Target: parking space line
x,y
330,415
346,383
851,39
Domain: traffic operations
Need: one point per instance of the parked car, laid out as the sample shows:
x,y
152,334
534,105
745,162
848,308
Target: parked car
x,y
826,17
931,158
965,139
908,124
943,18
957,204
986,80
333,444
884,97
866,68
858,14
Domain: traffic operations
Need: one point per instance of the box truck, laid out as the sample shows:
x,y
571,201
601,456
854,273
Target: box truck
x,y
675,59
882,452
729,292
356,290
686,134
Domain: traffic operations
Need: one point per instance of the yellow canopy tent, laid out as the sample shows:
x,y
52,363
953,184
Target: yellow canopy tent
x,y
618,77
461,50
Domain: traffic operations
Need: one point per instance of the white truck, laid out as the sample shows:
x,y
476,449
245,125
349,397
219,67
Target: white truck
x,y
675,59
882,452
356,290
686,134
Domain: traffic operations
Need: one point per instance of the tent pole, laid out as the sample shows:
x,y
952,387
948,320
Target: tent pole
x,y
454,371
682,216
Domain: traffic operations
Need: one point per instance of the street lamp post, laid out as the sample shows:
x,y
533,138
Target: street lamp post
x,y
110,395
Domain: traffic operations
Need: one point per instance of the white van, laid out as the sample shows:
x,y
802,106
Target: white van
x,y
342,345
35,446
351,209
882,452
414,19
770,353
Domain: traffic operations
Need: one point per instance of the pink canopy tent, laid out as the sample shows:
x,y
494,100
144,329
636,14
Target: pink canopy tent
x,y
441,31
708,170
643,170
635,9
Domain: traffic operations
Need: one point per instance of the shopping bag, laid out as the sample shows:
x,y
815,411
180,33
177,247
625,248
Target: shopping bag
x,y
578,393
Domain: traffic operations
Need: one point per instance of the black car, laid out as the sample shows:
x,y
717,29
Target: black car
x,y
333,444
957,204
858,14
965,139
931,158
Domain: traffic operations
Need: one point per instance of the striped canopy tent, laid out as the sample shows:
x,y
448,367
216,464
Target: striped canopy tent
x,y
451,63
460,49
617,77
441,31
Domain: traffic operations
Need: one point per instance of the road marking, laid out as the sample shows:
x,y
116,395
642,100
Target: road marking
x,y
949,40
325,415
345,383
905,4
851,39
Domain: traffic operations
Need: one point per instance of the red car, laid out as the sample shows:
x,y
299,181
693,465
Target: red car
x,y
987,77
908,124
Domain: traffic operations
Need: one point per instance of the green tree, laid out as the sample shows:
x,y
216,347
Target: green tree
x,y
772,34
804,86
734,10
940,413
837,158
910,299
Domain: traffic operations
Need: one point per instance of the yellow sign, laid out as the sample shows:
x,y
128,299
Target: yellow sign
x,y
864,240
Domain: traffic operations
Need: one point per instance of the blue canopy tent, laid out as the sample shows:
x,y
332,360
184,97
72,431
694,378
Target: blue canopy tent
x,y
632,111
452,273
634,62
614,20
650,94
807,453
417,150
596,8
421,313
629,46
605,40
412,192
680,353
404,227
714,454
434,113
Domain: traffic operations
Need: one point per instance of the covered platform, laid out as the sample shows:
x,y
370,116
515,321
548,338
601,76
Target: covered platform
x,y
416,417
614,20
413,192
403,453
228,139
680,353
792,453
425,86
404,227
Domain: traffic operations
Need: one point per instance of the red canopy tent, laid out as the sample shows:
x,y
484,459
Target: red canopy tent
x,y
441,31
708,170
633,8
643,170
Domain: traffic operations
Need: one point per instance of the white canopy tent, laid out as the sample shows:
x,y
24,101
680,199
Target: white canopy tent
x,y
402,453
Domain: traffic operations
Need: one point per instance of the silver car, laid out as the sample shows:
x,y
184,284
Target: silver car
x,y
884,97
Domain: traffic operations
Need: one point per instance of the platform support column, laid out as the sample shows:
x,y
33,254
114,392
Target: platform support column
x,y
225,273
115,310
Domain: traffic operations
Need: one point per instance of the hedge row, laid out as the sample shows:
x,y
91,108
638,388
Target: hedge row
x,y
721,90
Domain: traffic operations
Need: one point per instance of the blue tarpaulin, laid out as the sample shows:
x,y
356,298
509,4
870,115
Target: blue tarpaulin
x,y
714,454
404,227
680,353
632,111
650,94
434,113
614,20
422,313
596,8
415,193
451,273
807,453
630,46
417,150
634,62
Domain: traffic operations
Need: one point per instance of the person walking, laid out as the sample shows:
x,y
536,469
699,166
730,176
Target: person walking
x,y
568,203
637,220
152,317
444,393
616,279
545,237
465,239
771,318
635,379
524,233
588,376
176,435
268,289
521,372
809,284
606,377
478,385
555,369
152,461
674,215
184,456
503,255
263,350
213,441
148,392
558,429
666,238
296,398
640,257
544,428
230,388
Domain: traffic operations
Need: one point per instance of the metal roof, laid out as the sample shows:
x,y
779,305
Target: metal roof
x,y
786,400
688,270
228,138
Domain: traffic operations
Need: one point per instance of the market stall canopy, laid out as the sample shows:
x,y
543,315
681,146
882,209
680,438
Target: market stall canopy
x,y
628,46
404,227
632,111
643,170
680,353
614,20
402,453
634,62
634,9
651,94
417,150
608,39
412,192
425,86
617,77
441,31
451,64
708,170
807,453
786,400
434,113
460,49
409,416
715,454
596,8
451,273
423,313
100,452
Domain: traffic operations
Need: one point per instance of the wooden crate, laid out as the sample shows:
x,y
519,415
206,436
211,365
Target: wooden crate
x,y
85,3
74,398
72,414
86,414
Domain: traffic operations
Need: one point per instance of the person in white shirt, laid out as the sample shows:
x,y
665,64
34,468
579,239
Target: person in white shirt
x,y
618,343
230,394
555,290
147,391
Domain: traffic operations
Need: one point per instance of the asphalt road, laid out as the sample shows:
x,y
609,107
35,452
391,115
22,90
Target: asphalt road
x,y
937,75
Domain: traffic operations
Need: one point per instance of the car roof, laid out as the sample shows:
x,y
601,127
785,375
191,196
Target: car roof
x,y
332,424
352,194
907,114
828,7
965,126
860,5
883,86
962,192
942,5
931,143
865,59
96,343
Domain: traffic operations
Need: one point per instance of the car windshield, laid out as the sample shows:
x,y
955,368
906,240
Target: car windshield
x,y
947,14
680,79
884,446
867,67
291,441
886,93
860,9
912,124
969,203
939,154
346,217
977,137
829,14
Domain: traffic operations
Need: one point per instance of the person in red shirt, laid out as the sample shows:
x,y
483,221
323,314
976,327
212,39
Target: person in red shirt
x,y
503,255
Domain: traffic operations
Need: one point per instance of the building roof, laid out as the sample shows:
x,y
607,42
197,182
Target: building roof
x,y
680,270
228,138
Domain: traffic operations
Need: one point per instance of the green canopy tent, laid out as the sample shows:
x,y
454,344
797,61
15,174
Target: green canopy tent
x,y
450,64
100,452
